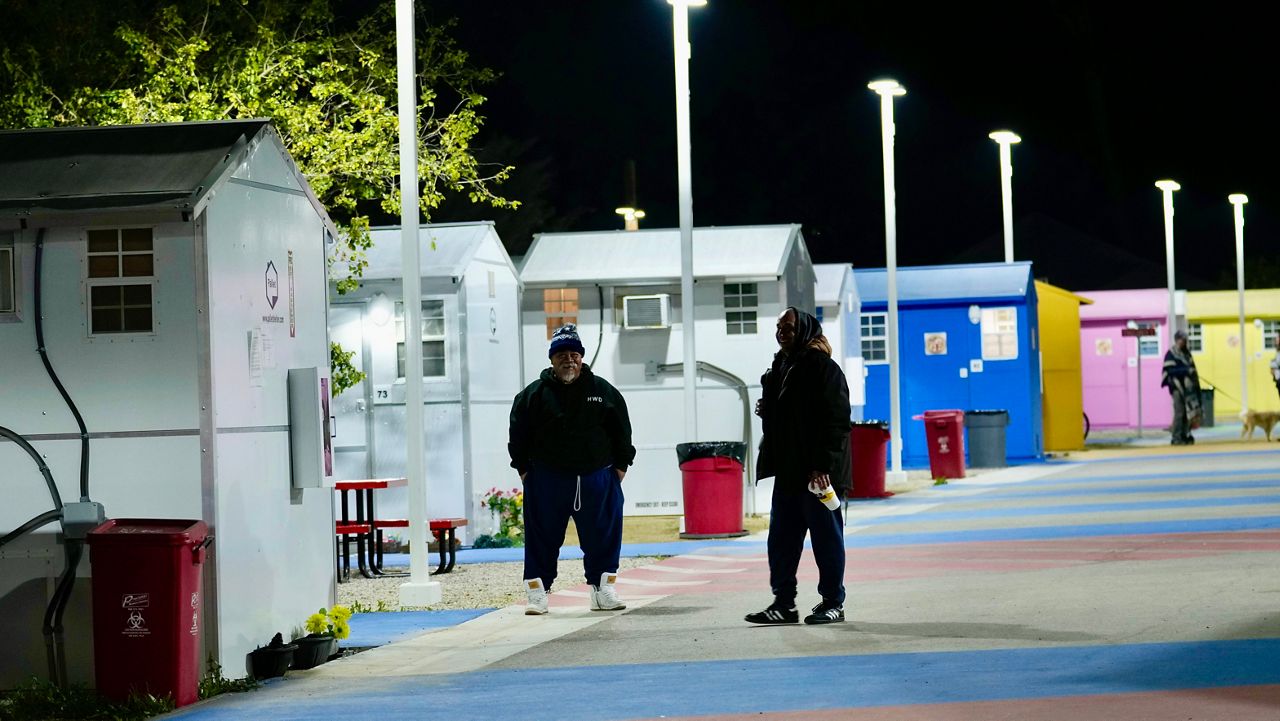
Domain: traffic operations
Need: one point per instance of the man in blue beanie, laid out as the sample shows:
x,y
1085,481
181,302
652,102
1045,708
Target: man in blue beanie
x,y
570,441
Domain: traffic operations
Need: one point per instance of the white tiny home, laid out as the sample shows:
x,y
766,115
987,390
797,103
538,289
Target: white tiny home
x,y
622,288
471,369
183,277
839,311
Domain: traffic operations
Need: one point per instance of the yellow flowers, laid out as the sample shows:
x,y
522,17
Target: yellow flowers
x,y
332,622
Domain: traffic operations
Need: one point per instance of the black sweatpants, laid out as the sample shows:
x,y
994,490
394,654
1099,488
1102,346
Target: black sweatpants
x,y
793,515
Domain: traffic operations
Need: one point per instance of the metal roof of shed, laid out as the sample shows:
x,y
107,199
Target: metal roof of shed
x,y
935,283
648,256
444,250
834,280
154,166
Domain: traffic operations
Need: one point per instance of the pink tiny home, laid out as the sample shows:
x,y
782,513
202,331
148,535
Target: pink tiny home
x,y
1110,361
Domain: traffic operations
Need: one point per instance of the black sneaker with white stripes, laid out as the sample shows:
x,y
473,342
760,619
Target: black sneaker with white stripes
x,y
825,613
775,614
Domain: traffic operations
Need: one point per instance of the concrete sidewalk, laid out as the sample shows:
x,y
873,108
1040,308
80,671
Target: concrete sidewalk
x,y
1140,587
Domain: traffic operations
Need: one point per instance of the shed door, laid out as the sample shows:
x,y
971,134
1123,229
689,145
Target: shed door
x,y
1104,358
350,434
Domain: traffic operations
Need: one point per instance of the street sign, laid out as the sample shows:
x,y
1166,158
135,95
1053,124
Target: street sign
x,y
1129,332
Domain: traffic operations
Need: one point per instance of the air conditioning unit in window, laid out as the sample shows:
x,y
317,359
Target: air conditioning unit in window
x,y
646,311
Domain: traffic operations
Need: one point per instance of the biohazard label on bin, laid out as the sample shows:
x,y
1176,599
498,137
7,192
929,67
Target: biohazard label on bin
x,y
944,444
136,625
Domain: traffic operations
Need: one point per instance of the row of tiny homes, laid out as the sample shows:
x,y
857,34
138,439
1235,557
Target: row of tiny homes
x,y
177,276
1213,328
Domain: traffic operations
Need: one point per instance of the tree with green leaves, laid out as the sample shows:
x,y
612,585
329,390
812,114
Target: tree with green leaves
x,y
323,74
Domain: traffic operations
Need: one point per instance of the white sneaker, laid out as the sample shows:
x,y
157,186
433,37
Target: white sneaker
x,y
604,597
537,597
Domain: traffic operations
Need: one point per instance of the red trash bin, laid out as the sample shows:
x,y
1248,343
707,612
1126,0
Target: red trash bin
x,y
712,482
944,431
867,442
147,607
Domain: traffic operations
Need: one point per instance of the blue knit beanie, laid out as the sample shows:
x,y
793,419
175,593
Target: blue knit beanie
x,y
566,338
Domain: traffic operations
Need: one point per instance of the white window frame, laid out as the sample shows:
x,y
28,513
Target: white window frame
x,y
1146,342
556,308
1270,333
119,280
1195,337
874,343
442,338
741,308
1002,331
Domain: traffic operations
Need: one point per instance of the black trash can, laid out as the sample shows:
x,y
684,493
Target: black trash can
x,y
986,438
1206,406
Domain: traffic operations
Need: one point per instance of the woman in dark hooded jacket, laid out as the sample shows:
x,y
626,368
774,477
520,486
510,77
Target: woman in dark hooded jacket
x,y
804,410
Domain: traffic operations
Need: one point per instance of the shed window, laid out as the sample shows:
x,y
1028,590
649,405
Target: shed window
x,y
1195,337
561,307
999,333
874,348
120,268
1271,334
741,303
433,340
8,280
1149,345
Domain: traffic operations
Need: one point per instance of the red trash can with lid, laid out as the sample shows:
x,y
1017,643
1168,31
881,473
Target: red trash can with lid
x,y
712,480
867,442
147,607
944,431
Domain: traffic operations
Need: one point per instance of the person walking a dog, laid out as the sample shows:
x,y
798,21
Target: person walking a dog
x,y
804,412
1183,382
570,441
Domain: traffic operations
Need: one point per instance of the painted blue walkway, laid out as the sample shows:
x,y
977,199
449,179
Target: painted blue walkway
x,y
775,685
380,629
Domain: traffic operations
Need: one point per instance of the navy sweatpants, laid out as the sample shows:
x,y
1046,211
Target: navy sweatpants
x,y
594,500
793,514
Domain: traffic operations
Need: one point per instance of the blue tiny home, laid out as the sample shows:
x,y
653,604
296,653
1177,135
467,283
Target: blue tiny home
x,y
968,339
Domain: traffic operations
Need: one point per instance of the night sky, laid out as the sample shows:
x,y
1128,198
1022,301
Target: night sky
x,y
785,131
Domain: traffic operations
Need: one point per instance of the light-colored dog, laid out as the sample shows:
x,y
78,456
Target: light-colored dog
x,y
1265,420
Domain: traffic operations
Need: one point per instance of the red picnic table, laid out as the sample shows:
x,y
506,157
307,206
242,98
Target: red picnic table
x,y
367,529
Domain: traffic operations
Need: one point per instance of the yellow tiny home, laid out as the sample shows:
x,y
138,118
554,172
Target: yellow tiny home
x,y
1063,407
1213,324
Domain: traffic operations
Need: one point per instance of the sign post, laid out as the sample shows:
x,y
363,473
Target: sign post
x,y
1137,334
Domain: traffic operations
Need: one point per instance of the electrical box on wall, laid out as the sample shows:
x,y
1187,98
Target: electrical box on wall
x,y
310,427
646,311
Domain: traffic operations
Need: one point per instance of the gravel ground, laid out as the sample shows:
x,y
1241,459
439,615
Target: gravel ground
x,y
468,585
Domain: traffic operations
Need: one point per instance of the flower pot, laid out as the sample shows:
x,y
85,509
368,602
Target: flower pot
x,y
313,650
271,661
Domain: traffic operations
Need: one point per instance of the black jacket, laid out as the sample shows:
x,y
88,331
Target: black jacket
x,y
577,428
805,417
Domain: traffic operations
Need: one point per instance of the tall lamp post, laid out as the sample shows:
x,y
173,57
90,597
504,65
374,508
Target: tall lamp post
x,y
1005,139
1167,187
888,90
683,52
420,589
1237,202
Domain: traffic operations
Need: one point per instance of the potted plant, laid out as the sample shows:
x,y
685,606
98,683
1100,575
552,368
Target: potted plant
x,y
324,628
272,660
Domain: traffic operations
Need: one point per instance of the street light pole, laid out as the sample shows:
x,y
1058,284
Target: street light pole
x,y
420,590
683,52
1237,201
1005,139
888,90
1167,187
